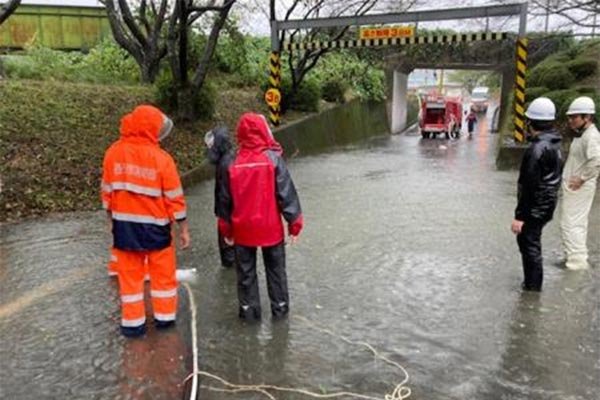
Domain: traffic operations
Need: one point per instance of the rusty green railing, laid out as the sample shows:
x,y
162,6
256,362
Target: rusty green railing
x,y
57,27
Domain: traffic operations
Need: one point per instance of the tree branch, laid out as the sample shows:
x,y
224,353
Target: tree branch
x,y
565,7
160,18
200,11
202,69
120,35
172,42
143,17
7,9
127,17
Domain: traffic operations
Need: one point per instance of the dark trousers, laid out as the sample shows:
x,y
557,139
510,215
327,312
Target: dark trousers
x,y
471,126
248,296
530,246
227,253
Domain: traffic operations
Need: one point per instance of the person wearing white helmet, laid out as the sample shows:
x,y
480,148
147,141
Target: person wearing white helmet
x,y
580,177
539,181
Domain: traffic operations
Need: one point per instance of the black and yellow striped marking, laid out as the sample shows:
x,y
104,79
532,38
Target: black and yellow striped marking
x,y
521,58
348,44
275,82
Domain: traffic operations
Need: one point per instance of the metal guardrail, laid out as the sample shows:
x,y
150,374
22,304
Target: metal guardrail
x,y
57,27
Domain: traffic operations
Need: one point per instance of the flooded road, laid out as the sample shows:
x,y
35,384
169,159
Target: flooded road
x,y
407,247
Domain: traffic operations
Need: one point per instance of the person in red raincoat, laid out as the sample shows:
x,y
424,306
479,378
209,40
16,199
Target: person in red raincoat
x,y
255,193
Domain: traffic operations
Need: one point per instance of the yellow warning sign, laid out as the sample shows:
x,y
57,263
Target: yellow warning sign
x,y
273,97
387,32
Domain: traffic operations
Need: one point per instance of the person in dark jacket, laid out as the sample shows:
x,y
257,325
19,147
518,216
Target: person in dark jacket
x,y
471,120
255,192
219,152
539,182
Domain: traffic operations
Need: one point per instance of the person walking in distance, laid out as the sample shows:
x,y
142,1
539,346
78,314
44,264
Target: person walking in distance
x,y
471,120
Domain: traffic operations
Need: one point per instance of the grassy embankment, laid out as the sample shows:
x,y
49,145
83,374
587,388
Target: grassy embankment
x,y
53,136
564,76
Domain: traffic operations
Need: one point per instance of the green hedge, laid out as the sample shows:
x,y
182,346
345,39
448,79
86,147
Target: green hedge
x,y
166,96
306,98
105,63
563,98
554,76
535,92
334,90
582,68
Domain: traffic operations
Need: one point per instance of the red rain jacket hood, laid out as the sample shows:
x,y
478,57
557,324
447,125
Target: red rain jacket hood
x,y
254,134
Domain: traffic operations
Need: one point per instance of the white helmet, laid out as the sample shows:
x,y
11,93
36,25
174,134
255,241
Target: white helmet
x,y
541,109
582,105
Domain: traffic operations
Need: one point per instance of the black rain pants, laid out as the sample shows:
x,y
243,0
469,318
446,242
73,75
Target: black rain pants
x,y
530,246
248,296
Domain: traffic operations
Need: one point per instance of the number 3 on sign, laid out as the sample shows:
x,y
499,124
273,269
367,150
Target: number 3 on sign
x,y
273,97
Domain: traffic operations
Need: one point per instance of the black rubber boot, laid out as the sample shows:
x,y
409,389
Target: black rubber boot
x,y
163,324
249,314
135,331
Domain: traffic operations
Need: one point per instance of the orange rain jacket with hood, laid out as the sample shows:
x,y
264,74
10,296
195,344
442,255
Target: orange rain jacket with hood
x,y
140,184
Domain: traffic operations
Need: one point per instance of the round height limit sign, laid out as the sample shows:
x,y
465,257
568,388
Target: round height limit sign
x,y
273,97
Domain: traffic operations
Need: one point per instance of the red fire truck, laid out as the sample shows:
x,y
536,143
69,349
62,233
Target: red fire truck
x,y
440,114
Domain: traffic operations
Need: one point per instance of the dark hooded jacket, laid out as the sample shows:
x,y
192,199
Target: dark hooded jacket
x,y
257,189
221,156
540,178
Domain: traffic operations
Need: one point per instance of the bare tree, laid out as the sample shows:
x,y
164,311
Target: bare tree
x,y
139,32
301,62
185,14
7,9
156,29
581,13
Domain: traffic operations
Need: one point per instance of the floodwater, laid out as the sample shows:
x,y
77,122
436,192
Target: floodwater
x,y
407,248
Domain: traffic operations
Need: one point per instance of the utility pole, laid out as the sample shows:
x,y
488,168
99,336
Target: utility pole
x,y
547,15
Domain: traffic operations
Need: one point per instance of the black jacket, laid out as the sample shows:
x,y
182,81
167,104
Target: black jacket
x,y
540,178
221,156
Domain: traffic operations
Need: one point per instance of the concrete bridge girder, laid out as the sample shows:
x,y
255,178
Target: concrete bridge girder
x,y
493,56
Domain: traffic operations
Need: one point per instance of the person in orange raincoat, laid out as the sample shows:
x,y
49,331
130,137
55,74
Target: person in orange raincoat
x,y
142,194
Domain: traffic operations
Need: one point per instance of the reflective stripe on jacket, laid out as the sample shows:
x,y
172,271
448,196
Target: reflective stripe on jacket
x,y
140,184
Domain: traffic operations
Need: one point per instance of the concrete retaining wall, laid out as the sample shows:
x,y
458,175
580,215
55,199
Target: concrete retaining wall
x,y
337,126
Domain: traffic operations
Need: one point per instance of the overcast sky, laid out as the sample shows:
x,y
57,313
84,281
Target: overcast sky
x,y
255,21
62,2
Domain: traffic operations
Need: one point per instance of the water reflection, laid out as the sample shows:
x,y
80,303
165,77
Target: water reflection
x,y
154,366
406,248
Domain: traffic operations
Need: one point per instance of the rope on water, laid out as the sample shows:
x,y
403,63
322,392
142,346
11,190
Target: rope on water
x,y
194,389
400,392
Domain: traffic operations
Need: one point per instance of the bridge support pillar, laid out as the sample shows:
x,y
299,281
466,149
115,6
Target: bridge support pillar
x,y
506,91
399,101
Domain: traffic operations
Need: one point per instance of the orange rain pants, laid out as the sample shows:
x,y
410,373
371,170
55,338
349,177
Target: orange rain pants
x,y
114,262
163,285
